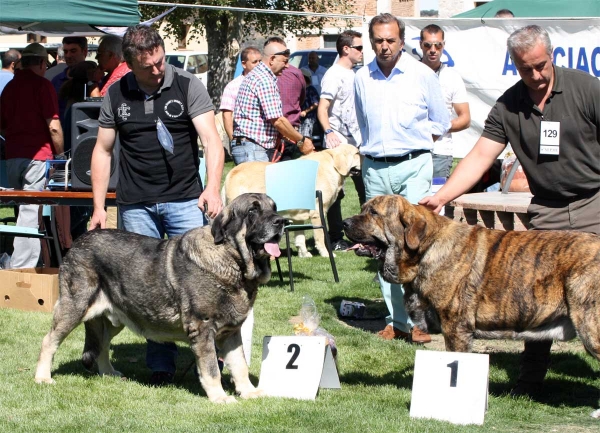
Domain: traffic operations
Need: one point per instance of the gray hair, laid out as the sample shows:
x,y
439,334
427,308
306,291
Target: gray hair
x,y
114,44
526,38
60,54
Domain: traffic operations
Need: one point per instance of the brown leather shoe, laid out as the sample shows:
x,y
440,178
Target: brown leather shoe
x,y
418,336
391,333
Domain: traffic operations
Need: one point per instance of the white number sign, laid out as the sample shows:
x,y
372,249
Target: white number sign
x,y
296,367
450,386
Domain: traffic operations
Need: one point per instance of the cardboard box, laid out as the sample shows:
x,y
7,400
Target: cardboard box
x,y
29,289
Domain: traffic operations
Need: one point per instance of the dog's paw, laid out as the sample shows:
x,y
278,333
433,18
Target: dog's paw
x,y
113,373
47,380
595,414
304,254
252,393
224,399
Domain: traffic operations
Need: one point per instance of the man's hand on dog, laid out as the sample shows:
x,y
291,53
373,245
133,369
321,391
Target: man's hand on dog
x,y
432,203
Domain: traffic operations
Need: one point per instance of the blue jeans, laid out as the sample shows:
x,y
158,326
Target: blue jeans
x,y
248,151
442,164
155,220
412,180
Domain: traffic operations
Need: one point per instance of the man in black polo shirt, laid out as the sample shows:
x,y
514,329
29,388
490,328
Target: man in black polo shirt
x,y
551,117
159,112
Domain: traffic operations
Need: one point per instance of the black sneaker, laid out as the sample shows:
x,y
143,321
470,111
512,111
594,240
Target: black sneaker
x,y
161,378
340,245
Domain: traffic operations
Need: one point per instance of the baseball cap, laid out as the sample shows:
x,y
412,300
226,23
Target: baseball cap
x,y
34,50
306,73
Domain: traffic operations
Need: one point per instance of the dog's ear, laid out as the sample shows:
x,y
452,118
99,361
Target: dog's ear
x,y
219,225
343,156
415,227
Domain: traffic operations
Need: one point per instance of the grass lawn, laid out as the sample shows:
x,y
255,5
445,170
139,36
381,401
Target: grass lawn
x,y
376,375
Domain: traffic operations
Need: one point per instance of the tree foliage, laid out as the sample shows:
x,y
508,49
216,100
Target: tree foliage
x,y
226,31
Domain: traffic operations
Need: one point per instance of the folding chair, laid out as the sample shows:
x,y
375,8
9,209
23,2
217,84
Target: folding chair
x,y
292,185
29,232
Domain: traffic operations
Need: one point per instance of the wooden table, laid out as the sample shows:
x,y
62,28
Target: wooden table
x,y
493,210
53,198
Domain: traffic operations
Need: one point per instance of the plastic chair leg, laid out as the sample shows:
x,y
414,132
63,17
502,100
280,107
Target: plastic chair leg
x,y
279,269
289,256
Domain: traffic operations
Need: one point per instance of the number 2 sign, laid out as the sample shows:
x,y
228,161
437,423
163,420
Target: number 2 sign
x,y
296,367
450,386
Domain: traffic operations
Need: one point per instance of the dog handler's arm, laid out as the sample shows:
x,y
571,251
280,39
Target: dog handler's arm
x,y
215,159
331,139
100,173
467,173
286,129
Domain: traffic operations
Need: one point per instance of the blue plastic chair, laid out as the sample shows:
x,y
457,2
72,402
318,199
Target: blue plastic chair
x,y
293,185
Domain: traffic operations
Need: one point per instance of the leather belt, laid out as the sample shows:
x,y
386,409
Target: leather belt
x,y
395,159
236,141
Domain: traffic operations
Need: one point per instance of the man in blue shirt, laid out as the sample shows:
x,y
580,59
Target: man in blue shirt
x,y
401,112
9,60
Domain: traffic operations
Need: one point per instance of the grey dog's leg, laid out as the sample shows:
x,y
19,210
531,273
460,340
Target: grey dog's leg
x,y
66,318
233,355
98,334
202,343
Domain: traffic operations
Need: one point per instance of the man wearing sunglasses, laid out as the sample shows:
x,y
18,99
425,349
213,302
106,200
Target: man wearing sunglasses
x,y
337,115
258,114
401,112
455,97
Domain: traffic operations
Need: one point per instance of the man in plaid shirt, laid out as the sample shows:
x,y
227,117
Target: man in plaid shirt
x,y
258,117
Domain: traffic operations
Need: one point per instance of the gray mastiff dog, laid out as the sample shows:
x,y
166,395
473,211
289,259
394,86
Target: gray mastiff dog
x,y
198,287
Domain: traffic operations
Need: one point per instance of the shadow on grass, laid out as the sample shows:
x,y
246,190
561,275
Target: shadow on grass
x,y
564,391
130,360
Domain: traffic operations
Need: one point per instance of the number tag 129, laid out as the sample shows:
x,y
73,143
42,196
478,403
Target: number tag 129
x,y
450,386
296,367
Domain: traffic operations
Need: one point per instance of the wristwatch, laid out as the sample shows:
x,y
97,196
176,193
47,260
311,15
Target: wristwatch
x,y
328,131
300,142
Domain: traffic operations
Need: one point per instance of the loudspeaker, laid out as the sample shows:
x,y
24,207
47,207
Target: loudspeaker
x,y
84,131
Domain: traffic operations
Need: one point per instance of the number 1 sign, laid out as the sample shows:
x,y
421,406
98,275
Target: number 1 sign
x,y
450,386
296,367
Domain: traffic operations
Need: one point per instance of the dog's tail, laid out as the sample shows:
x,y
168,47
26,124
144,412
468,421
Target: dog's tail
x,y
94,335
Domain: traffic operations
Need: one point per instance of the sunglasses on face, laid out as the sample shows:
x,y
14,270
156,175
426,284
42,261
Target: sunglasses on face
x,y
437,45
285,53
356,47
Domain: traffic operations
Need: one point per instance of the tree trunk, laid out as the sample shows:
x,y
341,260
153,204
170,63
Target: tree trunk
x,y
221,30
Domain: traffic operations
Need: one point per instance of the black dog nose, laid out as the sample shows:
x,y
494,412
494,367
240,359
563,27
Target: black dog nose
x,y
346,223
279,221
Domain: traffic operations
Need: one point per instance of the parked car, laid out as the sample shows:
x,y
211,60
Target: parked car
x,y
327,57
195,62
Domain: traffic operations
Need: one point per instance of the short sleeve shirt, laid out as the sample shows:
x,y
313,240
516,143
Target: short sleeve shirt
x,y
258,101
230,93
454,91
575,103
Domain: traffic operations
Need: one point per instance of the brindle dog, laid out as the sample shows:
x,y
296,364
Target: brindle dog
x,y
527,285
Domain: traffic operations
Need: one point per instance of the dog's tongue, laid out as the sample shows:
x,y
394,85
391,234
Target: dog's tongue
x,y
273,249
